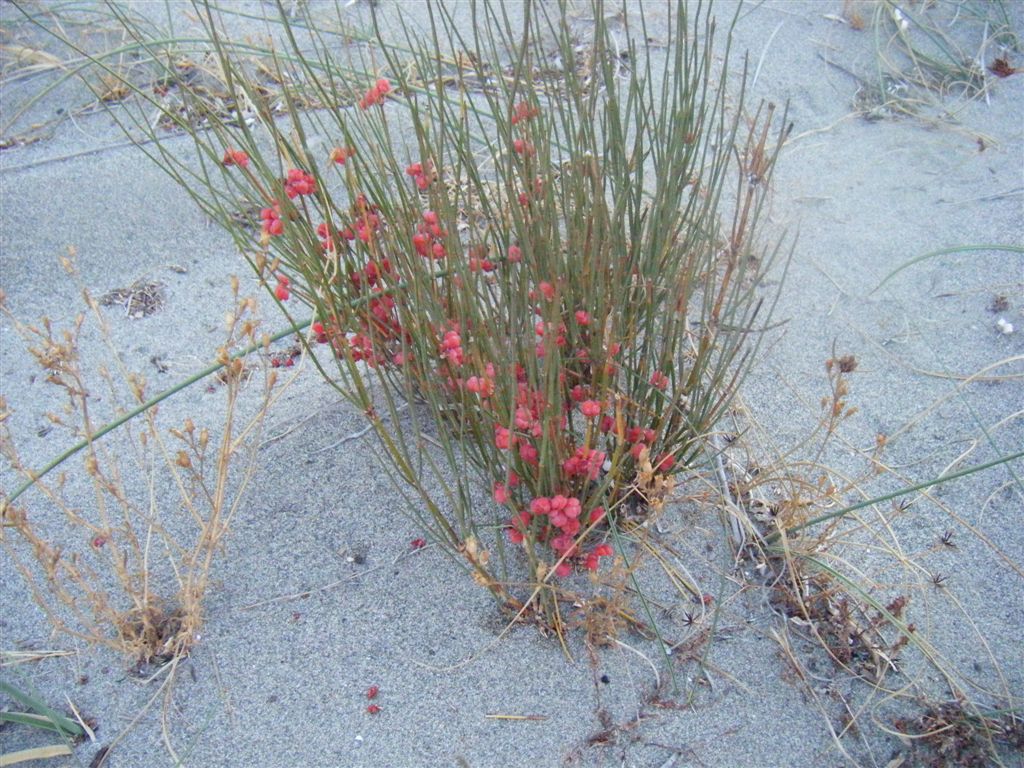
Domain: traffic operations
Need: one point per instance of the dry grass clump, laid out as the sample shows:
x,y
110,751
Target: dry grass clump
x,y
926,52
842,581
124,568
953,733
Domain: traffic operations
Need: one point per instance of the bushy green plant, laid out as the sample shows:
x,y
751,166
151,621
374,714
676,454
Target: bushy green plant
x,y
548,245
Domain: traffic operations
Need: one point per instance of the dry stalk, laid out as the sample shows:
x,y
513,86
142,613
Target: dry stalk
x,y
121,568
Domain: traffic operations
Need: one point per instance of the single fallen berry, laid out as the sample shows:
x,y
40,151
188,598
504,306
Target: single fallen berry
x,y
373,709
418,543
372,691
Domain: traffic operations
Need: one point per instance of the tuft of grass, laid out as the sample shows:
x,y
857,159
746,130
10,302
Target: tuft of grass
x,y
945,48
649,226
38,715
840,578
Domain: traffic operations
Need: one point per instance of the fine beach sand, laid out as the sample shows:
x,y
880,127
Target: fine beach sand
x,y
318,595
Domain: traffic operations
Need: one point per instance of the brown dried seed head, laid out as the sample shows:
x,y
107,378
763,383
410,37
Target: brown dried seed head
x,y
183,460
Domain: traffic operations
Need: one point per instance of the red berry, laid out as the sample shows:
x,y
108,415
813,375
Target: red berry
x,y
341,154
418,543
235,157
372,691
373,709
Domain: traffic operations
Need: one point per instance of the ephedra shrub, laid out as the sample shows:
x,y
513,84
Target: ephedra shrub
x,y
538,231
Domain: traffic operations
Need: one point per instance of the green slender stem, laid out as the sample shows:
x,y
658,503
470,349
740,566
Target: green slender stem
x,y
111,426
902,492
946,252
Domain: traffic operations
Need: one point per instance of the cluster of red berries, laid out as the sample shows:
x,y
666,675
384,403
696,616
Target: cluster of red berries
x,y
340,154
281,289
523,112
235,157
429,238
271,217
482,385
376,94
559,520
299,182
451,347
421,179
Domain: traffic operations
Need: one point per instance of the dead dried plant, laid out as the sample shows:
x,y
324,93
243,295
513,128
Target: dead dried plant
x,y
123,569
840,578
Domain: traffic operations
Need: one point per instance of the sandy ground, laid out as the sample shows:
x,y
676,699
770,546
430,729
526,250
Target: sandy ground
x,y
283,683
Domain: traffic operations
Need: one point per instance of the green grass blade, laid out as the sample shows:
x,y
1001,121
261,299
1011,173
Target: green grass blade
x,y
945,252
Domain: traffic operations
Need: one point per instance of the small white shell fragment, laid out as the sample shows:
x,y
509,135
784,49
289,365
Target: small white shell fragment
x,y
1005,327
